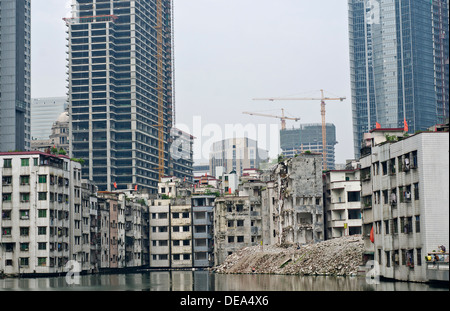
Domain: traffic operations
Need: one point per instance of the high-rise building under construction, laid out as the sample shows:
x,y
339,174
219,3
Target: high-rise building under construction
x,y
308,137
120,90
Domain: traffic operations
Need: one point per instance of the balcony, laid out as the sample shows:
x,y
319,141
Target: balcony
x,y
438,268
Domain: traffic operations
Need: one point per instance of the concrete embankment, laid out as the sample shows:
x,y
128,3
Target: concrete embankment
x,y
341,256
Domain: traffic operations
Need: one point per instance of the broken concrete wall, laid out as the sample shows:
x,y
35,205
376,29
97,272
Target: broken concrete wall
x,y
295,199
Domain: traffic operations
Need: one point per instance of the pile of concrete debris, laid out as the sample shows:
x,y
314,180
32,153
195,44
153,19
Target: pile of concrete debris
x,y
341,256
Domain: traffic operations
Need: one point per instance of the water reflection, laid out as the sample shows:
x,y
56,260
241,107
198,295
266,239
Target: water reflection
x,y
206,281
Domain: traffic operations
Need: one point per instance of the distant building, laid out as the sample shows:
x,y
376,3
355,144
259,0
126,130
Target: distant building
x,y
59,137
309,137
342,203
405,201
15,76
200,169
44,112
181,155
236,154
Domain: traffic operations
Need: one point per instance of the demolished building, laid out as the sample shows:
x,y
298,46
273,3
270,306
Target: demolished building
x,y
294,197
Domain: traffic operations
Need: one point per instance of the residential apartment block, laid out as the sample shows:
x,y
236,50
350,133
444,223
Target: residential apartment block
x,y
342,203
405,200
181,227
42,225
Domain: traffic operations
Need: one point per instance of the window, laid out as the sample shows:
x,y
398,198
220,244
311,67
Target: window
x,y
7,163
42,179
386,226
24,247
42,213
419,256
185,215
186,242
392,166
25,162
25,197
24,231
414,160
240,239
6,231
25,180
42,196
353,196
24,261
42,261
417,224
42,230
6,215
230,223
231,239
186,256
35,161
384,167
6,197
176,215
240,223
416,191
24,214
6,180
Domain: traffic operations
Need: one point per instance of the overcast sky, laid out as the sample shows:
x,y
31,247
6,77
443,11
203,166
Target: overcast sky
x,y
228,52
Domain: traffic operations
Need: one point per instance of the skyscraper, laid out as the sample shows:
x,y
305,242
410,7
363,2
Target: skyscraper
x,y
399,64
120,90
15,67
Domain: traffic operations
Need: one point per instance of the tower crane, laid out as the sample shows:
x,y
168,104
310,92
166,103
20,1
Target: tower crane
x,y
322,111
282,118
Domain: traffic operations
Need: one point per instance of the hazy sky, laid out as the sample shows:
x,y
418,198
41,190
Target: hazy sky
x,y
228,52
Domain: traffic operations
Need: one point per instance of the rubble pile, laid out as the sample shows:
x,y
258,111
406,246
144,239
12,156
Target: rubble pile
x,y
341,256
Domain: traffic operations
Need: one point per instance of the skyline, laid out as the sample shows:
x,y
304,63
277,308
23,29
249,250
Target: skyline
x,y
285,56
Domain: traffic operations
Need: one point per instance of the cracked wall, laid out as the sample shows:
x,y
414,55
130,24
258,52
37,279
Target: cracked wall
x,y
295,197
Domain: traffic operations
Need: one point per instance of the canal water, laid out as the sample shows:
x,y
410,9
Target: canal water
x,y
207,281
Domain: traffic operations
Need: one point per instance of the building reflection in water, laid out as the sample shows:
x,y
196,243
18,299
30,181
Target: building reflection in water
x,y
206,281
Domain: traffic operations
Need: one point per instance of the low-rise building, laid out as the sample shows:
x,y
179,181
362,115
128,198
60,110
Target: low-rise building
x,y
342,203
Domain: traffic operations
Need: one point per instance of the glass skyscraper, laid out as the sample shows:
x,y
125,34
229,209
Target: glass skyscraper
x,y
399,64
15,76
120,90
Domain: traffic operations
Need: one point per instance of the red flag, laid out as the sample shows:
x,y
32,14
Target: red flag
x,y
406,125
229,190
115,185
372,239
377,125
135,188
